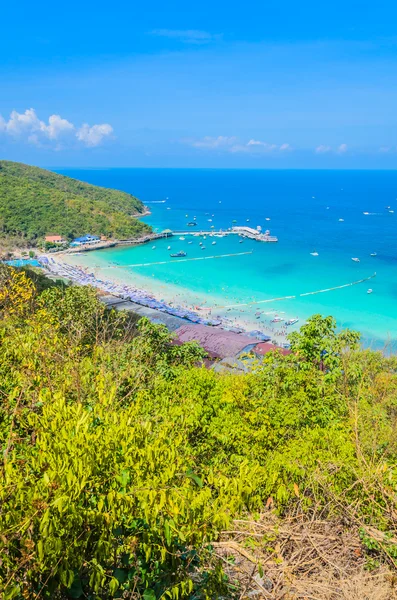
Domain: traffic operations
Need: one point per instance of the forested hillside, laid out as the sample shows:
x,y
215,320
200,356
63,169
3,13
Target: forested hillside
x,y
130,470
35,202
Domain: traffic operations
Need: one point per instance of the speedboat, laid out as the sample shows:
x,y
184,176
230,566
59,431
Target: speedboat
x,y
276,320
178,254
153,247
192,224
341,220
241,241
213,243
247,220
391,211
291,322
356,259
182,238
314,253
209,220
373,254
365,213
370,291
190,242
200,243
202,247
267,219
169,248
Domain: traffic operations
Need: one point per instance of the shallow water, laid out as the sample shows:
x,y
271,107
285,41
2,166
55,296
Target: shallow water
x,y
304,208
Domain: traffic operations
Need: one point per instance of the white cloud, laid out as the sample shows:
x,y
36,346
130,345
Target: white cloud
x,y
221,141
190,36
20,123
323,149
93,136
342,149
57,126
27,126
233,145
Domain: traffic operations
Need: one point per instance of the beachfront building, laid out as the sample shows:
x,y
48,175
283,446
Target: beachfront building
x,y
55,239
85,239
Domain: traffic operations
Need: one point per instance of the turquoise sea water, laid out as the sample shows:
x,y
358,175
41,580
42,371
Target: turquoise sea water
x,y
304,208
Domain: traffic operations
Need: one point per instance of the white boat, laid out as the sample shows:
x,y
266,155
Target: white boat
x,y
153,247
168,208
182,238
209,220
190,242
341,220
169,248
365,213
247,220
241,241
200,243
213,243
267,219
276,320
291,322
356,259
391,211
373,254
370,291
202,247
186,216
314,253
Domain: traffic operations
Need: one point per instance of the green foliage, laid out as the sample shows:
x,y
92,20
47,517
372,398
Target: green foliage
x,y
123,457
35,202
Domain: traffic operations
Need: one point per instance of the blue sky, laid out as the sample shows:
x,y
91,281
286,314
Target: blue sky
x,y
209,84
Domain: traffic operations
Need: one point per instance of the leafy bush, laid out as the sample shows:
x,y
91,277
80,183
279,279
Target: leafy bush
x,y
123,457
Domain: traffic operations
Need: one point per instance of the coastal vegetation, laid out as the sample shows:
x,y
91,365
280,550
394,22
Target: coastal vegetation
x,y
35,202
130,470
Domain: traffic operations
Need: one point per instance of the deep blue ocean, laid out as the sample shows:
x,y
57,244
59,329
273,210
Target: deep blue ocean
x,y
304,208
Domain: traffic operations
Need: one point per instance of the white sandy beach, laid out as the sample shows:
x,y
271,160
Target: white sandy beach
x,y
211,306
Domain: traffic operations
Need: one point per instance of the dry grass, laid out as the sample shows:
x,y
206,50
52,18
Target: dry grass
x,y
302,558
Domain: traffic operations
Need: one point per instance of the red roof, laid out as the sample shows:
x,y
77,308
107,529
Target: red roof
x,y
218,342
265,347
53,238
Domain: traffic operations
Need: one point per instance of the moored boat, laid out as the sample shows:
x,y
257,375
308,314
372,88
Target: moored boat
x,y
291,322
178,254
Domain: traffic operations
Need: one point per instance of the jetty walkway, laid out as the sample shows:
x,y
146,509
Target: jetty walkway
x,y
247,232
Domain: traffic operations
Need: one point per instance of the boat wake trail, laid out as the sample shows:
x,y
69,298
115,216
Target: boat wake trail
x,y
167,262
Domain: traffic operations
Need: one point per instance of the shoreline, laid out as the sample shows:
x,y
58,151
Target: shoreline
x,y
177,306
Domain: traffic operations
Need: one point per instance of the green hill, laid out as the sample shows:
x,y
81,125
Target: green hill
x,y
35,202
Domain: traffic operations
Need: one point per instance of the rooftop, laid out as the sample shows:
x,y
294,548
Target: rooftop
x,y
265,347
217,342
